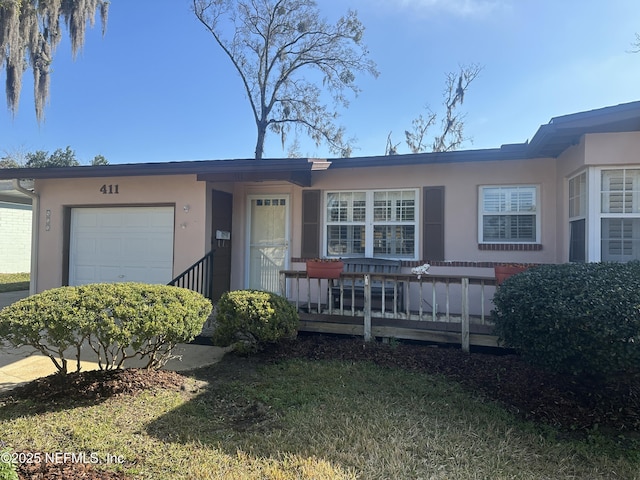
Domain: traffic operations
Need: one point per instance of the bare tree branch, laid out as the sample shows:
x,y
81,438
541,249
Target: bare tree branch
x,y
451,134
282,50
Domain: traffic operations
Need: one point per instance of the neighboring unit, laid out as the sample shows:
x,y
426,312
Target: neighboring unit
x,y
15,230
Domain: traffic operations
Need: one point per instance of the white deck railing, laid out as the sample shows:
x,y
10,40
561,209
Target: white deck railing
x,y
452,299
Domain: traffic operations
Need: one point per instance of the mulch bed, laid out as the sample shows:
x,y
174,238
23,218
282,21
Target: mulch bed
x,y
97,384
64,471
575,405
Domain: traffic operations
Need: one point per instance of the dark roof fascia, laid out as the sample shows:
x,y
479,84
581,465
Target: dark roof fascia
x,y
15,199
506,152
601,115
561,132
272,168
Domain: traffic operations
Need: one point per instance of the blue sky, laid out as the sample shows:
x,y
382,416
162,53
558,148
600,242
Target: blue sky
x,y
156,88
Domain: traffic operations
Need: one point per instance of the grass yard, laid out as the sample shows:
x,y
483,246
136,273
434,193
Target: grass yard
x,y
247,418
12,282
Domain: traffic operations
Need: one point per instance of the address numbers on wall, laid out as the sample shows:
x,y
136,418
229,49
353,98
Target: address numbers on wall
x,y
109,189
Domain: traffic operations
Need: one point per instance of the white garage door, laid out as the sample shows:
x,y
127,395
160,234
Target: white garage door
x,y
121,244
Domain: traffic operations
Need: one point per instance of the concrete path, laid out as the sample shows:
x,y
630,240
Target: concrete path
x,y
20,365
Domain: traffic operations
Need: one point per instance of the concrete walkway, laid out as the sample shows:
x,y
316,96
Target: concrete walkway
x,y
20,365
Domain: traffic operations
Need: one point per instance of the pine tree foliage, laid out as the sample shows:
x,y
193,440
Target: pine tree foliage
x,y
30,31
288,58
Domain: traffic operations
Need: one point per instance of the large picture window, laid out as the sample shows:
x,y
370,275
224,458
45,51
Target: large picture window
x,y
378,223
620,215
509,214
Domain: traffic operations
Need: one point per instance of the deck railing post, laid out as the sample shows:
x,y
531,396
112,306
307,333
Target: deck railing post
x,y
367,307
283,284
465,315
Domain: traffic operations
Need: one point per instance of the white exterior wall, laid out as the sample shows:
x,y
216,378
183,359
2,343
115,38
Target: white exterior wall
x,y
15,238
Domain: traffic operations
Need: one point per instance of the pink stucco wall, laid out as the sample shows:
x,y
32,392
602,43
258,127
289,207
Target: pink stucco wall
x,y
56,194
462,182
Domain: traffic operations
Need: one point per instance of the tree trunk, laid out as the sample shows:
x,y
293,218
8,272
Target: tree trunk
x,y
262,131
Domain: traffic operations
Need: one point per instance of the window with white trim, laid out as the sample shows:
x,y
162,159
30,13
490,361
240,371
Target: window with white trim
x,y
509,214
620,215
380,223
578,218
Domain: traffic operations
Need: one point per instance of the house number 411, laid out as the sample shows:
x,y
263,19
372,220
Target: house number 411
x,y
109,189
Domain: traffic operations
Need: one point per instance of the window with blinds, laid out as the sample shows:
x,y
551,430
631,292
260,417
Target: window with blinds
x,y
379,223
509,214
620,215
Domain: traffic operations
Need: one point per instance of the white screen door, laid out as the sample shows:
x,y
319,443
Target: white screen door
x,y
268,240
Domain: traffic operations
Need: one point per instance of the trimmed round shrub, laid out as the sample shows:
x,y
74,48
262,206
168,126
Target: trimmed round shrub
x,y
116,320
247,319
573,318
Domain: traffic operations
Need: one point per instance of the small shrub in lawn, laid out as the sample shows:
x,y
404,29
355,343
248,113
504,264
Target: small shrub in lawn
x,y
116,320
573,318
249,318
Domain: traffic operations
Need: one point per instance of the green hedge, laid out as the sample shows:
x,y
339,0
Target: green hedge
x,y
249,318
116,320
576,318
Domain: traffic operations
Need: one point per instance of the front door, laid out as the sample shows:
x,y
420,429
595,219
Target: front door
x,y
268,240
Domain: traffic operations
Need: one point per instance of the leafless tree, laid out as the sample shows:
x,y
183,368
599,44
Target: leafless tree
x,y
287,57
451,134
391,148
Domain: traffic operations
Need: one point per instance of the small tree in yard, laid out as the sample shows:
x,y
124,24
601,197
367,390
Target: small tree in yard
x,y
281,49
117,321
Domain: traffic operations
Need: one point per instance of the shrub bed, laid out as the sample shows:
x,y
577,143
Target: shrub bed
x,y
116,320
247,319
573,318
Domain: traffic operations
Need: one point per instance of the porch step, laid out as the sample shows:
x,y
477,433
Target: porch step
x,y
209,326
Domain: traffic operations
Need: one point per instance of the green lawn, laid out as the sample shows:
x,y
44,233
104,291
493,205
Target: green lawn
x,y
301,419
12,282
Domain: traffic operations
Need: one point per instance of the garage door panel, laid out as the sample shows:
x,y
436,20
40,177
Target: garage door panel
x,y
109,274
86,220
84,273
146,274
119,244
110,220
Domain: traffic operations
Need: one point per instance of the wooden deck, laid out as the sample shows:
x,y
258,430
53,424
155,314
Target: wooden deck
x,y
402,308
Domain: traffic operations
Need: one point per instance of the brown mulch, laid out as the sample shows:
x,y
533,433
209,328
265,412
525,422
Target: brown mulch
x,y
572,404
97,385
63,471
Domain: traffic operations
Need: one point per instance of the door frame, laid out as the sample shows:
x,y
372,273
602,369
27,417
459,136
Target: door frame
x,y
287,234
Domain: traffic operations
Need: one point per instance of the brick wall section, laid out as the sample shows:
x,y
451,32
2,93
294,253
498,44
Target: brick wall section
x,y
445,263
15,238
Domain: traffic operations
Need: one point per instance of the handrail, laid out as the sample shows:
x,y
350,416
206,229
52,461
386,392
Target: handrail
x,y
396,301
198,277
